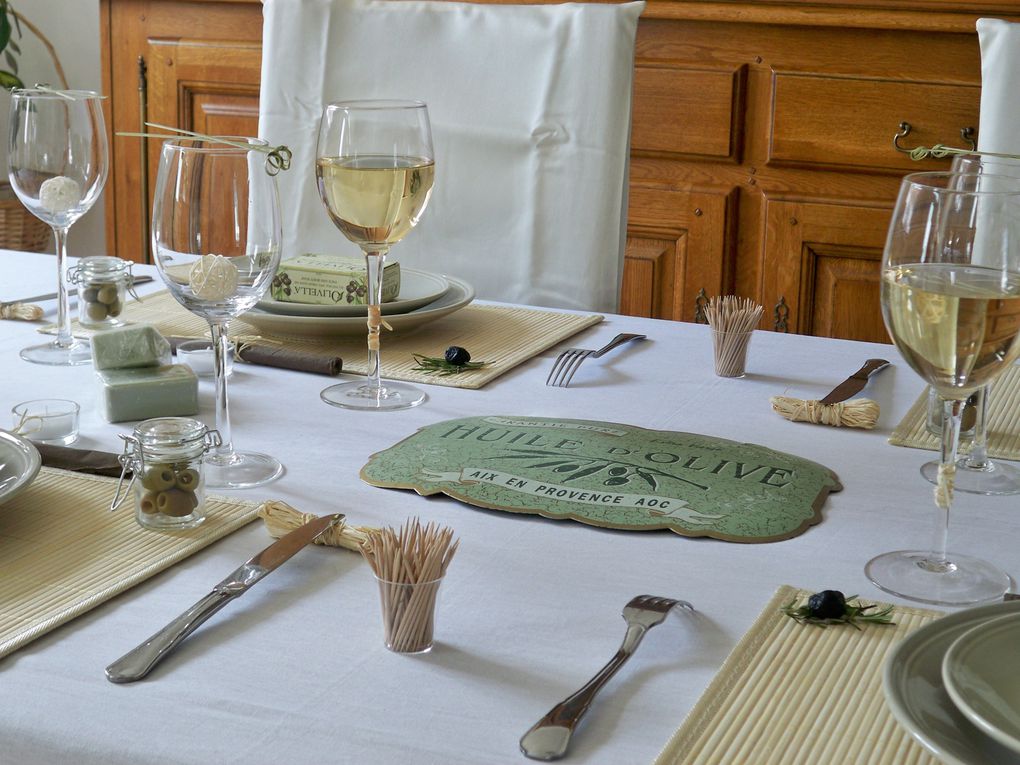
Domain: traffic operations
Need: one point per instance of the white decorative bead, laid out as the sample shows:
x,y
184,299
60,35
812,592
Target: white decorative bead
x,y
59,194
213,277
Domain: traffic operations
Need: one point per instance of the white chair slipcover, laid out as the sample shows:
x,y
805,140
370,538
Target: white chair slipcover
x,y
530,110
1000,86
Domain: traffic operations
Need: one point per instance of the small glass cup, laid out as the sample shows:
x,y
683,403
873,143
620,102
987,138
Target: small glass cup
x,y
730,349
47,420
933,420
409,614
198,354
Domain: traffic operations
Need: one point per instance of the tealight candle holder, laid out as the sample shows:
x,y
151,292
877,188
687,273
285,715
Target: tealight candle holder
x,y
47,420
199,355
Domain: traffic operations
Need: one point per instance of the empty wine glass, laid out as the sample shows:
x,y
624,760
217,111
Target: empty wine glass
x,y
58,162
950,282
375,168
216,241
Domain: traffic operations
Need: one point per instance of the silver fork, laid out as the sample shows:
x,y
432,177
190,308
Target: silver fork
x,y
568,362
549,738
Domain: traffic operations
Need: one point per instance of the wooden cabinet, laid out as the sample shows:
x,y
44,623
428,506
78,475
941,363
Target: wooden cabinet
x,y
762,154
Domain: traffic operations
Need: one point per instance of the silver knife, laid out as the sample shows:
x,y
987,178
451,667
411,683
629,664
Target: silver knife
x,y
55,295
136,663
855,383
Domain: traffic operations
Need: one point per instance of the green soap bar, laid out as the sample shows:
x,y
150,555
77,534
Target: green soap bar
x,y
321,279
133,345
138,394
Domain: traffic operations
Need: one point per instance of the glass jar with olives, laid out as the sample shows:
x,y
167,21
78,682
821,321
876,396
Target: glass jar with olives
x,y
165,456
103,283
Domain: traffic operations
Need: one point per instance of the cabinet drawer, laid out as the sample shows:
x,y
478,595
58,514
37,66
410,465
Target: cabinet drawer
x,y
683,111
828,121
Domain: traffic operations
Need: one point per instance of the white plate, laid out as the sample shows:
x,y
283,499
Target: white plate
x,y
980,673
459,295
19,464
915,694
417,289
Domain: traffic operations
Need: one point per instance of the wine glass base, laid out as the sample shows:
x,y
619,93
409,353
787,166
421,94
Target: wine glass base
x,y
241,470
911,574
360,395
997,479
77,353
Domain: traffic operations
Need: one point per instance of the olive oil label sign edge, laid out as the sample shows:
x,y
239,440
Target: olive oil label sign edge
x,y
611,475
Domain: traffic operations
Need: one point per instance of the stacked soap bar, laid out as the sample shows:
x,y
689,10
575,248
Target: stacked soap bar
x,y
331,280
137,380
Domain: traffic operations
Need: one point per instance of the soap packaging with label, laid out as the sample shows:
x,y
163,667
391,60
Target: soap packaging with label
x,y
321,279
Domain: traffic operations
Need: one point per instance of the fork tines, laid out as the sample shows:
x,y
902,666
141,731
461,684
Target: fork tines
x,y
565,365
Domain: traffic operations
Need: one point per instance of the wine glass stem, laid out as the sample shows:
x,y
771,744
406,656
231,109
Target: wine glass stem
x,y
218,334
952,410
374,262
978,457
64,337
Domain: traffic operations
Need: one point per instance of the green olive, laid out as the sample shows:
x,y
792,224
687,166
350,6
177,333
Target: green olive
x,y
90,295
96,311
187,479
158,478
147,504
115,308
107,294
175,503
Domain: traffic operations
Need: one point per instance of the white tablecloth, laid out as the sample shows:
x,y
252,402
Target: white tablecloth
x,y
296,671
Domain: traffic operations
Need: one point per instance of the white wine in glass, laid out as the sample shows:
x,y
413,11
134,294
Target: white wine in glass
x,y
58,163
375,169
950,282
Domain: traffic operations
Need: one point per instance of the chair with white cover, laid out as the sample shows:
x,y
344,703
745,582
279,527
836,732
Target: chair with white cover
x,y
999,126
530,108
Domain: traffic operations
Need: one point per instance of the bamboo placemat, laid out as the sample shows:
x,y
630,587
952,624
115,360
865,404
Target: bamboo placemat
x,y
503,336
792,693
64,552
1003,421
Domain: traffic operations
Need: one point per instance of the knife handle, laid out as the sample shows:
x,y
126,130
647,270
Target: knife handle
x,y
139,661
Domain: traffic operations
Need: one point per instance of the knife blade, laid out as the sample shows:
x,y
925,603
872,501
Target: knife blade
x,y
54,295
139,661
855,383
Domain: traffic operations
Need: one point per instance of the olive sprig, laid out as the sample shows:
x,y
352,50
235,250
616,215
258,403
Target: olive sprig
x,y
453,362
831,607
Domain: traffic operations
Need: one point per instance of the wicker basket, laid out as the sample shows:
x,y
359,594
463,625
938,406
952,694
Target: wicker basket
x,y
20,230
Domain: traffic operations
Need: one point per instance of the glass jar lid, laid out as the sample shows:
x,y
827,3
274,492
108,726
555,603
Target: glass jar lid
x,y
170,431
102,265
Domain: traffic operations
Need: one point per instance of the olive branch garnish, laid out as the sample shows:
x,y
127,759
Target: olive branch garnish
x,y
830,607
619,472
277,157
440,366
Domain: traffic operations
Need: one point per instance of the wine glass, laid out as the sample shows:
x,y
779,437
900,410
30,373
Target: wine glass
x,y
57,161
374,167
977,473
950,284
216,241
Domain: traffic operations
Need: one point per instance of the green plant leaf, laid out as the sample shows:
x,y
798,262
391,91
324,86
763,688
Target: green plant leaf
x,y
8,80
11,61
5,27
13,45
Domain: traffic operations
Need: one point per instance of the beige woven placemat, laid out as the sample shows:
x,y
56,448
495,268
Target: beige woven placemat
x,y
1003,421
502,336
63,552
794,694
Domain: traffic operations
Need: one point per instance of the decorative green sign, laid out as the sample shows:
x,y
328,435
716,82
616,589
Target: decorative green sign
x,y
611,475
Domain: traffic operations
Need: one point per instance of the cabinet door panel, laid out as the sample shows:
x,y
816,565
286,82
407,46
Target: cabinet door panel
x,y
678,243
824,260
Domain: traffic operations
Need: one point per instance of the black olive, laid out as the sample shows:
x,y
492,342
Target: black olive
x,y
827,604
457,356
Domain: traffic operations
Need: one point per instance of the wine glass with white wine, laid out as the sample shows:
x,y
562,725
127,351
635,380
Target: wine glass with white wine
x,y
950,285
375,168
58,162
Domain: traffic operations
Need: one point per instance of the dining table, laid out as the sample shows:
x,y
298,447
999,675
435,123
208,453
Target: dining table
x,y
296,671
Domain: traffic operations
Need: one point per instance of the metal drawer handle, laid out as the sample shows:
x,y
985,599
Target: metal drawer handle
x,y
967,134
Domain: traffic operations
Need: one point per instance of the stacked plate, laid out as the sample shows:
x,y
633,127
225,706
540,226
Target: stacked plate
x,y
424,297
19,464
955,685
